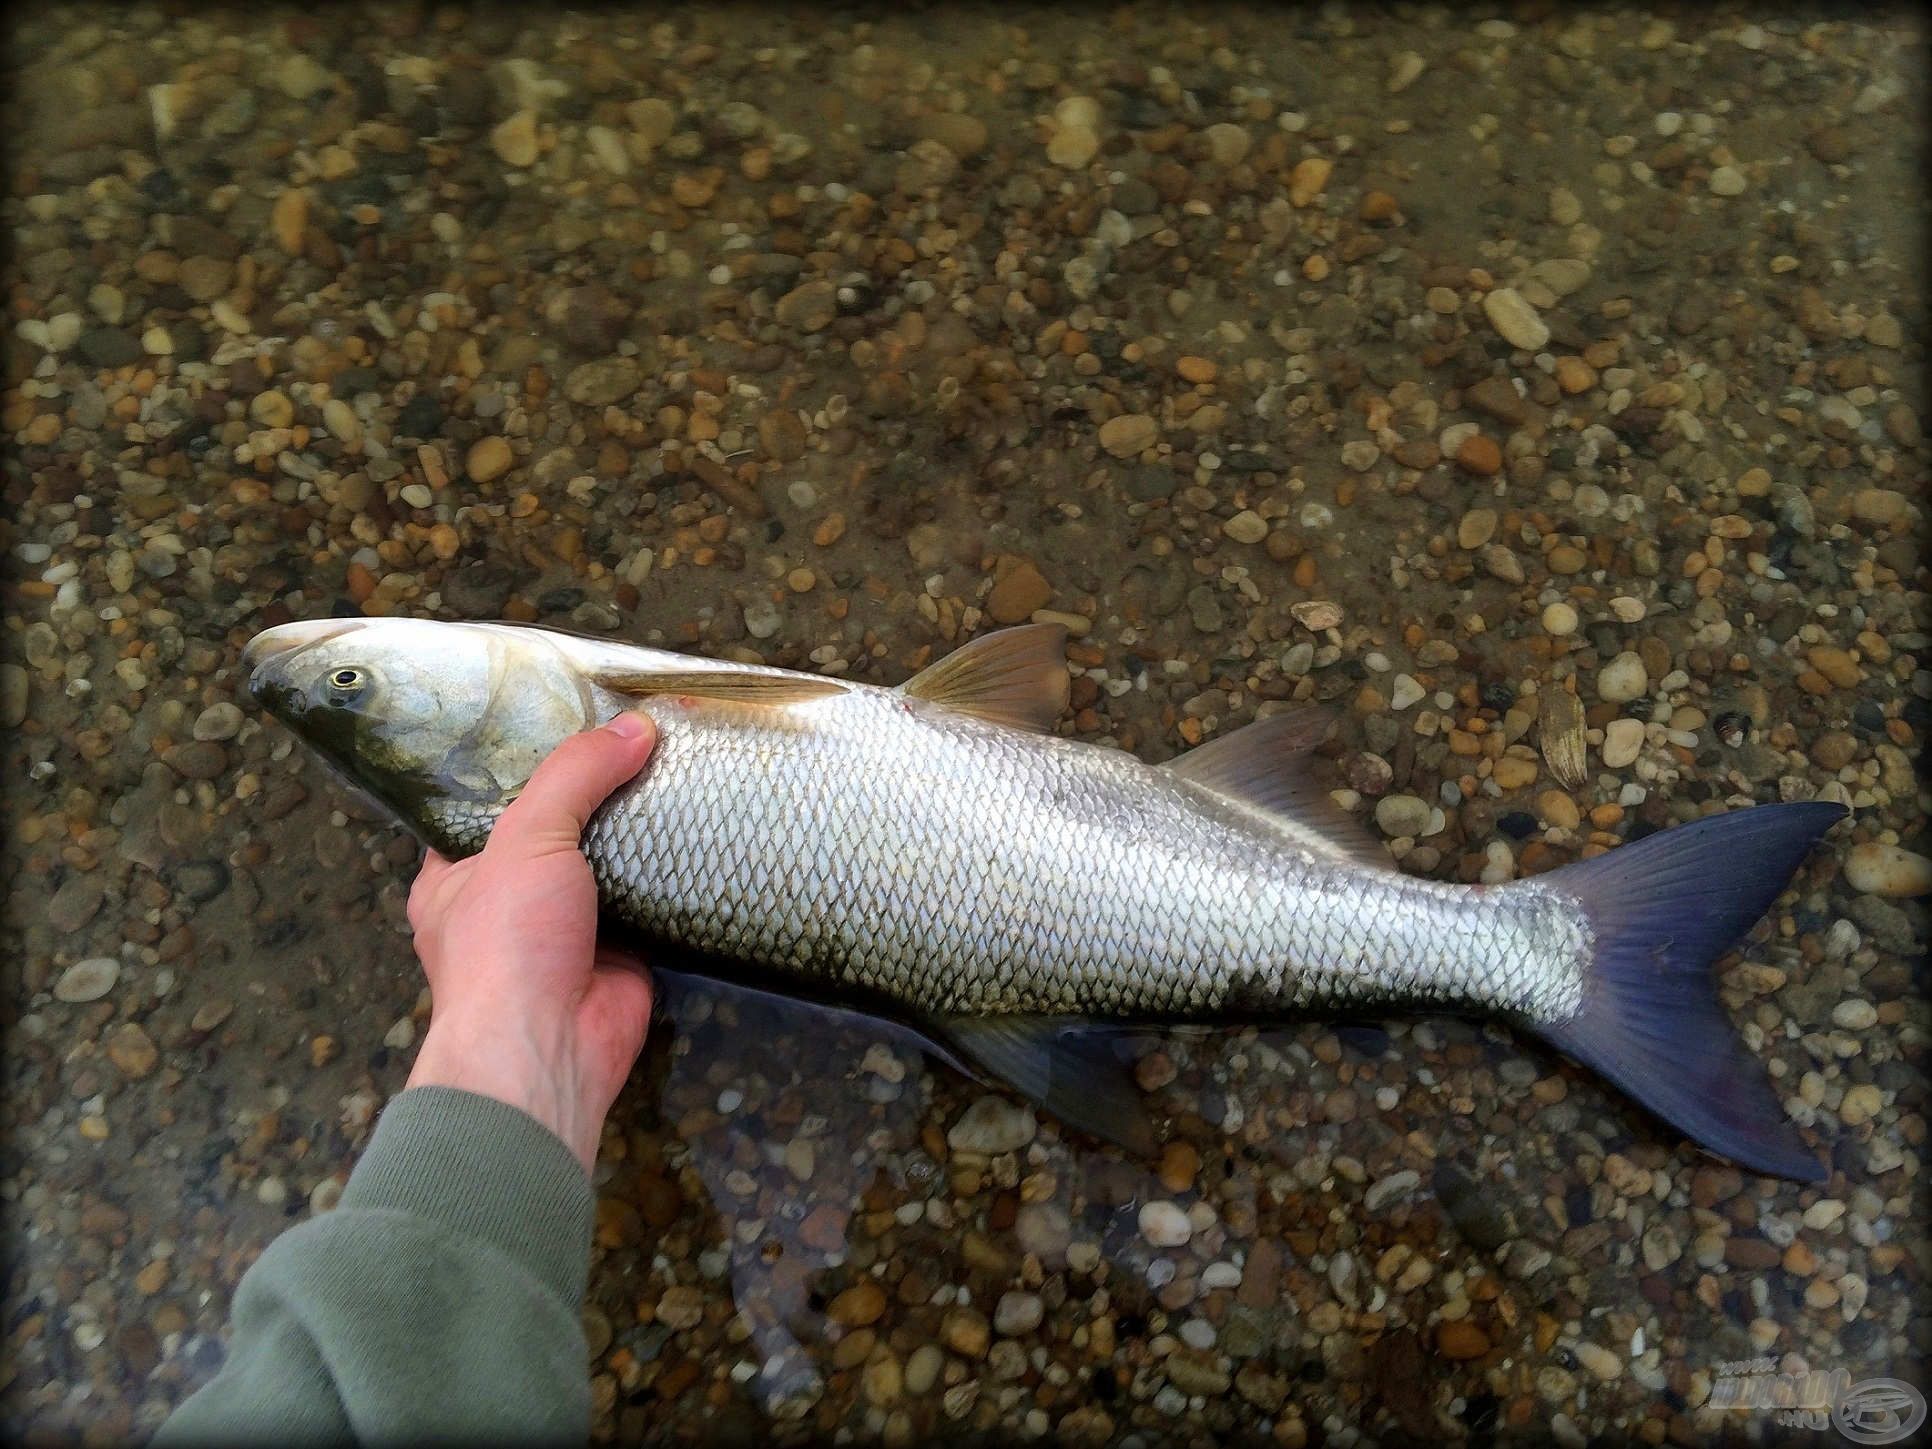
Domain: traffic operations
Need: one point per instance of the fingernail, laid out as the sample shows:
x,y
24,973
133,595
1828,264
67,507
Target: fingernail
x,y
626,726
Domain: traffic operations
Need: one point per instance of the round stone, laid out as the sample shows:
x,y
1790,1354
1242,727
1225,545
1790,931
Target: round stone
x,y
489,458
1247,526
1623,678
1164,1225
1623,741
1727,181
1400,815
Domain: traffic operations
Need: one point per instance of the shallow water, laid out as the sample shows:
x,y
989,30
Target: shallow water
x,y
833,342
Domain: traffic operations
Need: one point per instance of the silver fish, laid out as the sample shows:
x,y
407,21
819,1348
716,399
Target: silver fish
x,y
937,848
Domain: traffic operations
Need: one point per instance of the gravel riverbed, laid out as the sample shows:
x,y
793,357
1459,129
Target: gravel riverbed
x,y
1539,386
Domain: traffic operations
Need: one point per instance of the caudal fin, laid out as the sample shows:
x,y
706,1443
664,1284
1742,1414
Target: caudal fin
x,y
1663,909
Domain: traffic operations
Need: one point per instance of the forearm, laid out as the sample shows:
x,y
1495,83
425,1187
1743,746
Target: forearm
x,y
441,1298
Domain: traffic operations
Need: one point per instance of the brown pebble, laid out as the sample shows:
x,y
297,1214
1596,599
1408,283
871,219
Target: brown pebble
x,y
132,1050
858,1305
488,459
1017,593
1480,455
1460,1339
1180,1162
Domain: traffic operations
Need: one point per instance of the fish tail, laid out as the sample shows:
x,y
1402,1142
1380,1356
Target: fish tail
x,y
1661,910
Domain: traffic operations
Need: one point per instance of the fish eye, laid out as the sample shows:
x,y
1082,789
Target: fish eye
x,y
346,679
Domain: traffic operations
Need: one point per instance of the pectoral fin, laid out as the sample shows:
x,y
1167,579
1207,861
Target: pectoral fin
x,y
1015,677
1065,1067
720,684
1263,769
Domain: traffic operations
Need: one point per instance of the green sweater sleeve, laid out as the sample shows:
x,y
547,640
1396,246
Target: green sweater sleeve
x,y
441,1299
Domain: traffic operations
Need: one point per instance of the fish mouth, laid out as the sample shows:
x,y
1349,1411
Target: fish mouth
x,y
267,656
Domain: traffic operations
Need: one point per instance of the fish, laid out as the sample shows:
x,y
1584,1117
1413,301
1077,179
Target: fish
x,y
937,851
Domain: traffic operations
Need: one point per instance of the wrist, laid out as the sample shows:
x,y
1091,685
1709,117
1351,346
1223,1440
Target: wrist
x,y
519,1065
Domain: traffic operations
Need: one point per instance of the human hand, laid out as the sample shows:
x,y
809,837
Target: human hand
x,y
525,1006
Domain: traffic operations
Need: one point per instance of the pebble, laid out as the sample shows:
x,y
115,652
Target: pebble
x,y
1164,1224
680,1307
603,382
1391,1189
809,307
1854,1015
993,1125
272,409
132,1050
1623,741
1402,815
219,721
488,459
1478,527
1727,181
1603,1365
863,1303
1623,679
1559,619
1017,1312
922,1369
515,140
1459,1339
1886,507
87,980
1873,868
1515,320
966,1332
1129,435
1247,526
77,902
1017,593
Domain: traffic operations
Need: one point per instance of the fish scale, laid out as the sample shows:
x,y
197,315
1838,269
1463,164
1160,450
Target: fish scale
x,y
967,869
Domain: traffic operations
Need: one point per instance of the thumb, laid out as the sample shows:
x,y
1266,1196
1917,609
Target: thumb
x,y
571,783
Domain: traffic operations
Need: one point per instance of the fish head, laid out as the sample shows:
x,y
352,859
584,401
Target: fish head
x,y
438,721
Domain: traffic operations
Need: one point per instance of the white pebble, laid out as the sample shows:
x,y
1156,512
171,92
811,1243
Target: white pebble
x,y
1512,316
1622,679
1623,741
1874,869
88,980
1854,1014
1559,619
1164,1225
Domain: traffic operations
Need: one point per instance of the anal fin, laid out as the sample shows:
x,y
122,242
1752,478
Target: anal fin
x,y
1064,1066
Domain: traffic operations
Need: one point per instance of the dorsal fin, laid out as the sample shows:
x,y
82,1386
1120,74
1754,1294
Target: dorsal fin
x,y
1263,768
1015,677
746,687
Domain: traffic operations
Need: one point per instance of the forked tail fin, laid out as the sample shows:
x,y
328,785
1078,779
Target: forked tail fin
x,y
1663,909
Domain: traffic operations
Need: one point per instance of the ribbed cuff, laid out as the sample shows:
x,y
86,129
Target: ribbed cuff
x,y
480,1166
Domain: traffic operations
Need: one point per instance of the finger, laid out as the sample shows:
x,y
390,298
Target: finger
x,y
621,999
423,890
572,782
